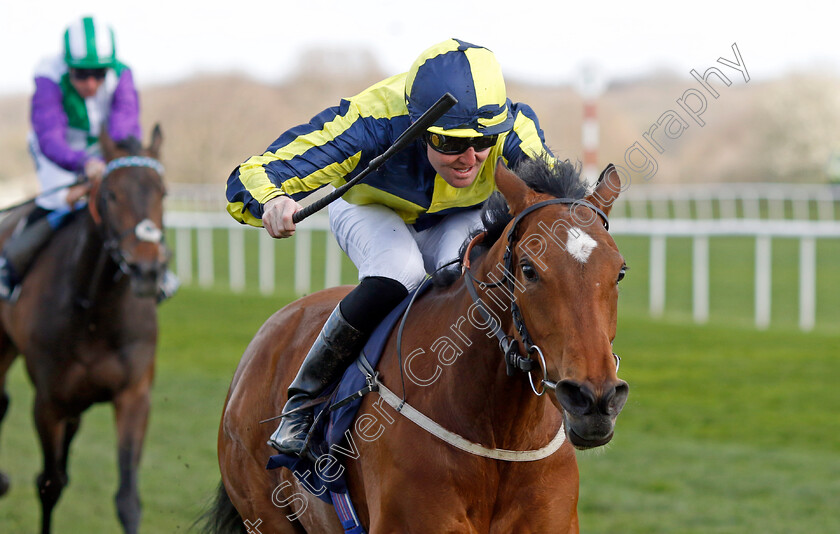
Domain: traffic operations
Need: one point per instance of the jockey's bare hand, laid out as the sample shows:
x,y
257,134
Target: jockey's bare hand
x,y
94,169
277,216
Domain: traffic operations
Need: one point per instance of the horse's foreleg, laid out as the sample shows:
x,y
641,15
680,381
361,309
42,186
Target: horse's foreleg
x,y
51,431
7,356
4,405
71,426
574,528
132,414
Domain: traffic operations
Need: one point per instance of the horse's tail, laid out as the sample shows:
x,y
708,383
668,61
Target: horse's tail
x,y
220,517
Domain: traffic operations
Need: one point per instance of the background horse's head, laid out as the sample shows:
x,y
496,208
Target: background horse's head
x,y
127,206
567,269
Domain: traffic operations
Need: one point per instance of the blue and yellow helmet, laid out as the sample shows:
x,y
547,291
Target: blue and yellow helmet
x,y
89,44
473,76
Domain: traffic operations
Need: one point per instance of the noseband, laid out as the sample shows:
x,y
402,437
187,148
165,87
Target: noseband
x,y
509,345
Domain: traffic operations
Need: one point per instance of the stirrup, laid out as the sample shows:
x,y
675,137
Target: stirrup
x,y
275,443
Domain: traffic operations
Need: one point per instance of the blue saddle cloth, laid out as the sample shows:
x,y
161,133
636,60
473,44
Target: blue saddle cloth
x,y
327,476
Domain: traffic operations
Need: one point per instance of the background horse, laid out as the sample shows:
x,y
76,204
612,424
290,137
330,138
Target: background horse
x,y
562,269
87,332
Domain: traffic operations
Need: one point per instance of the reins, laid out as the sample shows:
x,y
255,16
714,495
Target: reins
x,y
405,317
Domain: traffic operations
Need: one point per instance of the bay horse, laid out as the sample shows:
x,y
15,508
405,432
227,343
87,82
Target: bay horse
x,y
546,273
86,319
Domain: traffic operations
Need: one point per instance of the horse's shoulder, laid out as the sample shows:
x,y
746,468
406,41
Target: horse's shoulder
x,y
66,245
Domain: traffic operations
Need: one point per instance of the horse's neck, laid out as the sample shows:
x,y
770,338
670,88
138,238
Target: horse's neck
x,y
85,253
473,393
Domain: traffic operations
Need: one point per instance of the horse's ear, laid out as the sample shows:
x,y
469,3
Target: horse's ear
x,y
606,189
109,148
157,139
512,187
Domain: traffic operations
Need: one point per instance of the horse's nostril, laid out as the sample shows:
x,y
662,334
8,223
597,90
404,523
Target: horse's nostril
x,y
614,400
575,398
144,269
138,272
146,273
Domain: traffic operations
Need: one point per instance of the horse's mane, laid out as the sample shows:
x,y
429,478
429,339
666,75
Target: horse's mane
x,y
560,179
130,144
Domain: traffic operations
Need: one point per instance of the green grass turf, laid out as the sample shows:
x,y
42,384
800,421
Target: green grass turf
x,y
726,430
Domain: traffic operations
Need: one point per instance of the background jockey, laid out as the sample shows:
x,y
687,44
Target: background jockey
x,y
77,93
404,220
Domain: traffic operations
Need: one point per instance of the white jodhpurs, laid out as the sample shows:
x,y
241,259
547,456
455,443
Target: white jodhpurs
x,y
380,243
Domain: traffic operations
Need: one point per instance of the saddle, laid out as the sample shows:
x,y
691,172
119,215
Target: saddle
x,y
32,231
331,438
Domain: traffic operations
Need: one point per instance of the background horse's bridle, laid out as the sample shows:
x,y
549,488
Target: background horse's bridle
x,y
145,230
509,345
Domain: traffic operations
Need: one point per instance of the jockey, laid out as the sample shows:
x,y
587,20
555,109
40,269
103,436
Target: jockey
x,y
408,218
77,93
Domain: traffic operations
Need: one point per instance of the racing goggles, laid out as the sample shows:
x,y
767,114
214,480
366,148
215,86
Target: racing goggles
x,y
84,74
447,144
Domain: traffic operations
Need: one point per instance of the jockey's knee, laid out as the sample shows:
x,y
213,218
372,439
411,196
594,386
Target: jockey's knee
x,y
411,271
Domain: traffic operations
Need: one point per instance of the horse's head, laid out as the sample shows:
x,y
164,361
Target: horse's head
x,y
565,271
127,206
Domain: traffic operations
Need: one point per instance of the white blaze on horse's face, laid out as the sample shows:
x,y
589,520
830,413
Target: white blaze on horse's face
x,y
580,244
148,231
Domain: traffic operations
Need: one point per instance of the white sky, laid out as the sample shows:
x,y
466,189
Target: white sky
x,y
545,41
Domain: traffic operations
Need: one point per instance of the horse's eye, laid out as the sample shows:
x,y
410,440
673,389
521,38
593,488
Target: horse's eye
x,y
622,273
528,271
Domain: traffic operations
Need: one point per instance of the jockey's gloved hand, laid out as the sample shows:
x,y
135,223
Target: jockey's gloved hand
x,y
94,169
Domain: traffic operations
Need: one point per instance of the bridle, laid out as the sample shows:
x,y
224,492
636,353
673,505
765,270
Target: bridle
x,y
509,345
144,231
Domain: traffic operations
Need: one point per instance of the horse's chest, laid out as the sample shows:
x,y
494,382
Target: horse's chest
x,y
480,496
96,372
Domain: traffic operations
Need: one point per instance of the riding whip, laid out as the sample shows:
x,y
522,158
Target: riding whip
x,y
81,180
418,127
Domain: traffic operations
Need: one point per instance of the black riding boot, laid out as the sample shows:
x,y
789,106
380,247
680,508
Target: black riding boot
x,y
337,346
20,250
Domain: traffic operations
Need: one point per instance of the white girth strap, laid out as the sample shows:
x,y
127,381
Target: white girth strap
x,y
462,443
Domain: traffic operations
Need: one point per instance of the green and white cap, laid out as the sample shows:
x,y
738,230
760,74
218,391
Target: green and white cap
x,y
89,44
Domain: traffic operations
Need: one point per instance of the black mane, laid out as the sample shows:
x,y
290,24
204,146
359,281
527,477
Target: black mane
x,y
130,144
560,179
